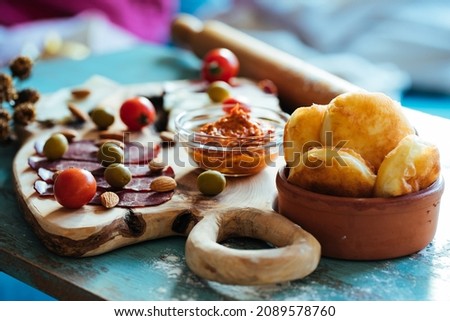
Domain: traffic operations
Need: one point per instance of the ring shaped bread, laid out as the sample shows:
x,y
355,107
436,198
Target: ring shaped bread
x,y
296,253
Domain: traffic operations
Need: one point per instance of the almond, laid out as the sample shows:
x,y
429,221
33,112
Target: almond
x,y
70,134
109,199
80,93
107,134
100,142
163,184
78,113
167,137
156,165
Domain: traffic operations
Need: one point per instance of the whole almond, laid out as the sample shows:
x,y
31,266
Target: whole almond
x,y
78,113
108,134
163,184
102,141
109,199
70,134
156,165
80,93
167,137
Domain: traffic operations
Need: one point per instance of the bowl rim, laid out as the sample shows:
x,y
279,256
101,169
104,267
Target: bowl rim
x,y
436,187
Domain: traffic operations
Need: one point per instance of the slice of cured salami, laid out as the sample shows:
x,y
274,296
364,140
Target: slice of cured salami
x,y
132,199
86,150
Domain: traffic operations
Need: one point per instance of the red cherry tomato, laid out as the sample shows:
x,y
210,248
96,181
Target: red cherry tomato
x,y
219,64
74,187
137,112
229,103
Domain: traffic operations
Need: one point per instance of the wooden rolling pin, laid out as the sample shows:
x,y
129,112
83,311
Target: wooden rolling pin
x,y
299,83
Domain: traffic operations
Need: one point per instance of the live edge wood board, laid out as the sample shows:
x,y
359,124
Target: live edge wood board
x,y
93,230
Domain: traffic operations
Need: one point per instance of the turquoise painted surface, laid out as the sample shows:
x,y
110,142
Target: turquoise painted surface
x,y
156,270
435,104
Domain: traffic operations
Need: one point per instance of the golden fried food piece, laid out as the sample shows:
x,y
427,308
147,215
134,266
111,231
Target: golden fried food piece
x,y
413,165
302,132
370,123
339,172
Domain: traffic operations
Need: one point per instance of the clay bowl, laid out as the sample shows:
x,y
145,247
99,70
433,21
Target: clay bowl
x,y
363,228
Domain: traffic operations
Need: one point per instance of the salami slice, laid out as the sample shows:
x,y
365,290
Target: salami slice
x,y
38,162
130,199
137,184
127,198
86,150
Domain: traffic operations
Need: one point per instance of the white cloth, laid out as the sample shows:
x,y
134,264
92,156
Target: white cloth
x,y
383,45
90,29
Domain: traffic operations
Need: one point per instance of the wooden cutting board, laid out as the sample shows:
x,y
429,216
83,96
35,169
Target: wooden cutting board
x,y
93,230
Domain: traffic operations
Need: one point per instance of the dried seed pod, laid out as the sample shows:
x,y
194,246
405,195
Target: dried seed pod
x,y
5,130
4,115
24,114
21,67
27,95
7,91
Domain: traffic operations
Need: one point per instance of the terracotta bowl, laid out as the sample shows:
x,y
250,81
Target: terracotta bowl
x,y
363,228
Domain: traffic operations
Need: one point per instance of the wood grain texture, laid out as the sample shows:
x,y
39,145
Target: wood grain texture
x,y
93,230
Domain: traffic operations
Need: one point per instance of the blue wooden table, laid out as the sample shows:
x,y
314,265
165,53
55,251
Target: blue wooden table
x,y
156,270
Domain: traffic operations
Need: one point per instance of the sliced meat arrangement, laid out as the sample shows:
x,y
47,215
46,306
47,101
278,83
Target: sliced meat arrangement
x,y
83,154
86,150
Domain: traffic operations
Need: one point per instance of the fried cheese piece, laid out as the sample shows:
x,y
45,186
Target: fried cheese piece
x,y
370,123
302,132
332,171
411,166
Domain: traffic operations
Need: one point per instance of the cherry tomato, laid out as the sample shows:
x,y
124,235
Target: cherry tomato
x,y
229,103
74,187
219,64
137,112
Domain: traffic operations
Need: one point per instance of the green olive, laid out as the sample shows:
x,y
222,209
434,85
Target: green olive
x,y
117,175
56,146
218,91
102,118
110,153
211,182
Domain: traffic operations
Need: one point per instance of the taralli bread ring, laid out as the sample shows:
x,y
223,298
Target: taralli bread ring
x,y
296,253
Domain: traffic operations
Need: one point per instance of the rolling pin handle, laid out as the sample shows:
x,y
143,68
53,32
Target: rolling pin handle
x,y
184,28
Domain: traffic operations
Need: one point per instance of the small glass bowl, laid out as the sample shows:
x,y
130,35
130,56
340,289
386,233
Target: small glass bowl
x,y
232,156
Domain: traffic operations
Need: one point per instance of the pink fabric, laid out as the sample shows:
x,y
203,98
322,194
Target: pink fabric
x,y
147,19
